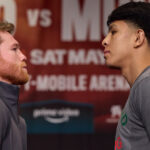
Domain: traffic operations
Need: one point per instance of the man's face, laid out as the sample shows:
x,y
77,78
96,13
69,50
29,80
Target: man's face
x,y
118,44
13,67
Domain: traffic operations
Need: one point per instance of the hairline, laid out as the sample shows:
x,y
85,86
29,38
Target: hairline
x,y
3,31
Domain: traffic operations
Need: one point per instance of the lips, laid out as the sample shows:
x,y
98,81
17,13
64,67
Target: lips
x,y
24,66
106,52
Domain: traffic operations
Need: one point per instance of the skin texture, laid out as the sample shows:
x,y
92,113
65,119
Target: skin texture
x,y
126,47
13,67
118,44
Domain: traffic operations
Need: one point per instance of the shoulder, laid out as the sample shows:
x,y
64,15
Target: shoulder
x,y
143,85
22,121
4,111
4,119
142,82
23,126
141,95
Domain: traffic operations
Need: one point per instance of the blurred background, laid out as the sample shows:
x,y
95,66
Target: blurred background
x,y
72,101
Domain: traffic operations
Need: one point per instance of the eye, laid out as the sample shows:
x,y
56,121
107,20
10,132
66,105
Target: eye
x,y
14,49
113,32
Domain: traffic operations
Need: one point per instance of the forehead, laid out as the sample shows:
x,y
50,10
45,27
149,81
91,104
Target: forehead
x,y
7,38
121,24
117,24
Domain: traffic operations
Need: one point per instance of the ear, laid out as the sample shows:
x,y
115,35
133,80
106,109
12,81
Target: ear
x,y
139,38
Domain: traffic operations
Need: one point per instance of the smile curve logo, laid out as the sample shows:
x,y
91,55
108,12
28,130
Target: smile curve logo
x,y
56,116
57,120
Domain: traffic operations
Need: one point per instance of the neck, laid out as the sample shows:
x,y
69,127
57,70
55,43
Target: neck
x,y
132,67
134,70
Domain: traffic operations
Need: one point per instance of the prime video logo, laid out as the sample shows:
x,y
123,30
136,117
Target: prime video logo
x,y
56,116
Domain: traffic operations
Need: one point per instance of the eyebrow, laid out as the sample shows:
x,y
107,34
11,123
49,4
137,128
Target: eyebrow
x,y
16,44
111,26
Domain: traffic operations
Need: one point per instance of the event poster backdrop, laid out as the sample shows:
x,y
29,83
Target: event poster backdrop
x,y
70,88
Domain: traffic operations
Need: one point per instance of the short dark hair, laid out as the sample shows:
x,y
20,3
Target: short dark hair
x,y
138,13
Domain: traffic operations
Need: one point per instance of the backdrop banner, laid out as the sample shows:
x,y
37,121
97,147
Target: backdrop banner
x,y
71,93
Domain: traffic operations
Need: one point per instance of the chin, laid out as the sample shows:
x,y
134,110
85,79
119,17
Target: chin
x,y
22,80
108,63
112,65
19,79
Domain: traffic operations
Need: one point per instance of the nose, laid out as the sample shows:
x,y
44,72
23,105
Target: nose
x,y
106,40
22,56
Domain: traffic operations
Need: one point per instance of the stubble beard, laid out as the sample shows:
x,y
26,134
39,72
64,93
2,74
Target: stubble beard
x,y
13,73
